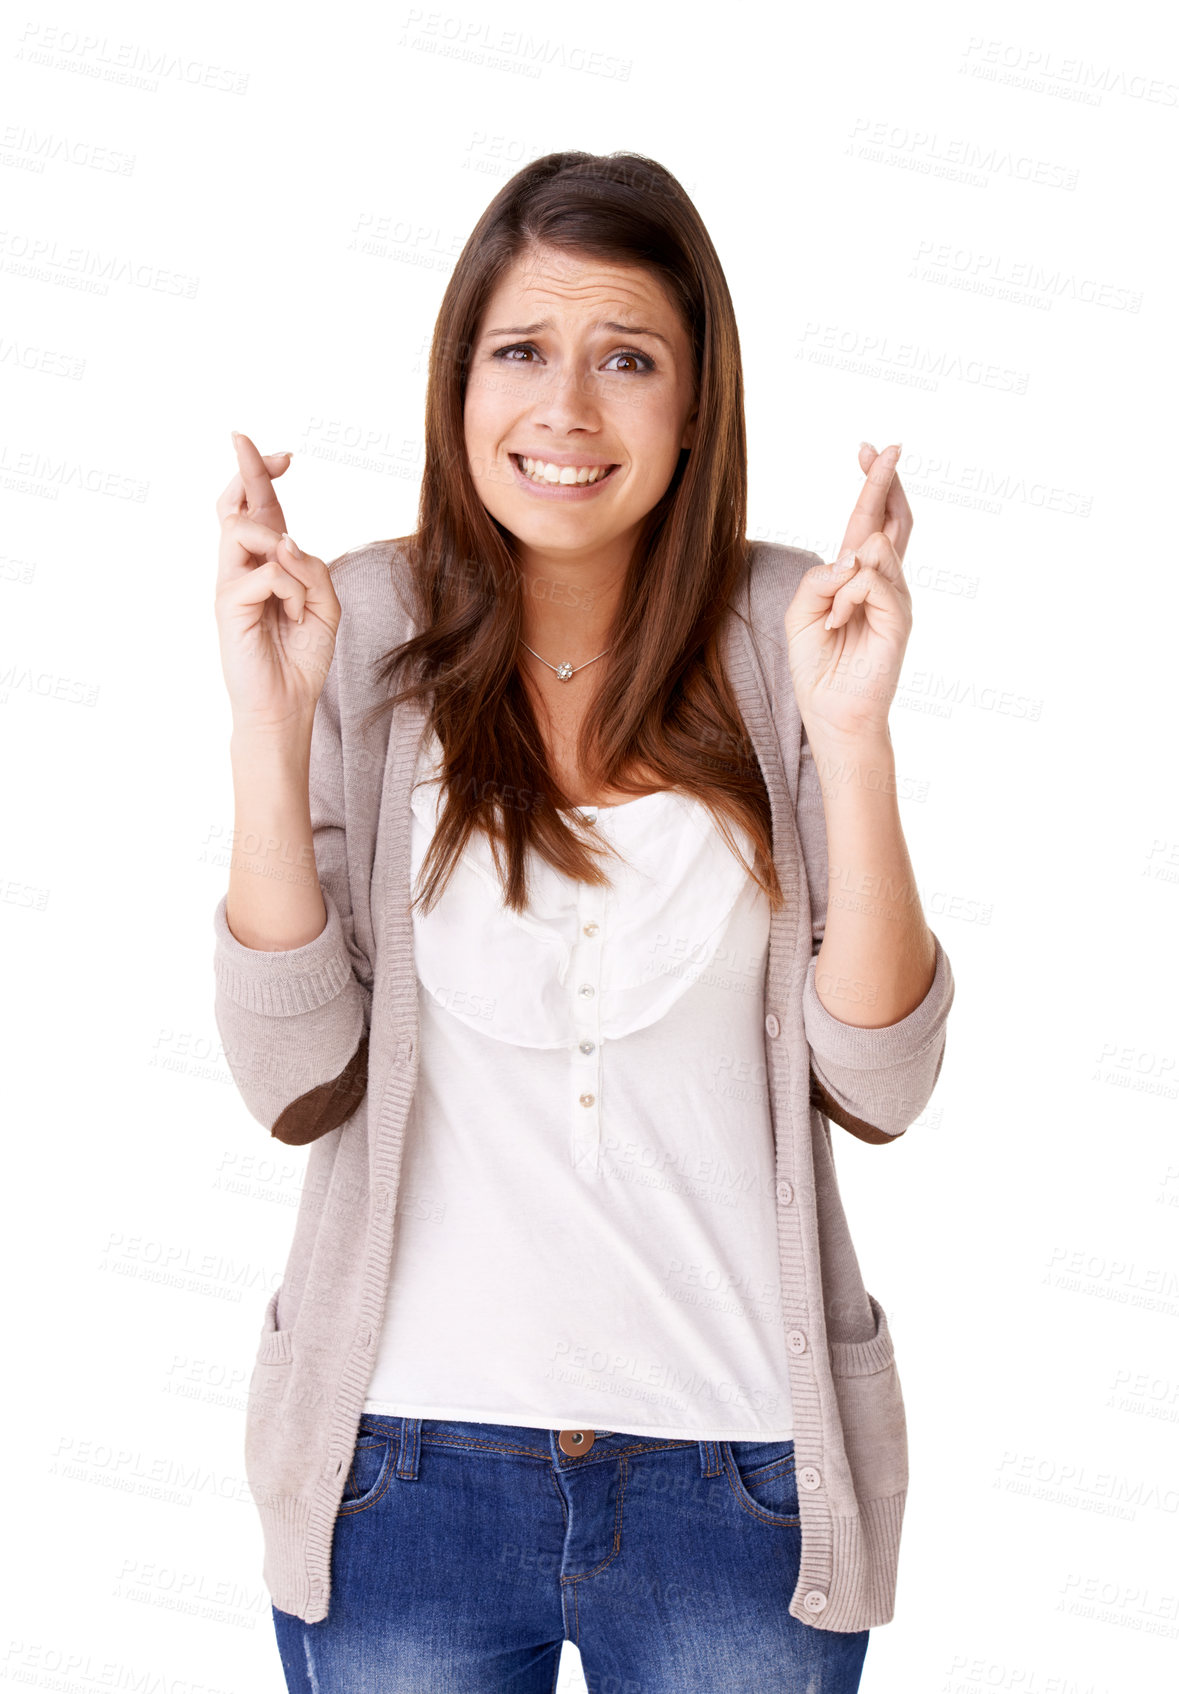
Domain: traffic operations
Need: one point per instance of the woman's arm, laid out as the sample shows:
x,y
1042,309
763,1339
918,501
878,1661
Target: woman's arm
x,y
294,1018
879,987
874,1081
876,963
273,902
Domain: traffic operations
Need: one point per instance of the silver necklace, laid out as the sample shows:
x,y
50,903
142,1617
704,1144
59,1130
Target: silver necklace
x,y
565,670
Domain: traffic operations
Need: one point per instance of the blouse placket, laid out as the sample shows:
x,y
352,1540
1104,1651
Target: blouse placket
x,y
585,981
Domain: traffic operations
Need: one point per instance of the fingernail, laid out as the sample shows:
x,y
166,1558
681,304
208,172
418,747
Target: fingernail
x,y
896,449
868,445
301,616
840,567
233,438
292,544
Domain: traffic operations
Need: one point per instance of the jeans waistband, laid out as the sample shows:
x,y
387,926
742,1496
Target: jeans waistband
x,y
523,1440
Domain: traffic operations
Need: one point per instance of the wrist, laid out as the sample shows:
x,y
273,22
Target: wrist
x,y
836,743
265,760
292,737
854,765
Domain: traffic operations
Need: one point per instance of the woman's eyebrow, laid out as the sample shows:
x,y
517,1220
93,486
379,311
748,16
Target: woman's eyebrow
x,y
621,329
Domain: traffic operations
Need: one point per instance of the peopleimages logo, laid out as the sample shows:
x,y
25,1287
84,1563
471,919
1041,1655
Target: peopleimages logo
x,y
953,157
1043,71
513,50
993,273
870,352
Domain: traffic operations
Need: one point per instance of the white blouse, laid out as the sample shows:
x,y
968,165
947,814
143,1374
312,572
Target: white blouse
x,y
610,1042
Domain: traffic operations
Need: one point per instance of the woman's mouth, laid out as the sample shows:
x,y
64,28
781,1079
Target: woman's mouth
x,y
564,481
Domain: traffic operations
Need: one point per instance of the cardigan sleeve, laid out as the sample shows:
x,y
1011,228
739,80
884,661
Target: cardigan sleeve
x,y
872,1082
294,1023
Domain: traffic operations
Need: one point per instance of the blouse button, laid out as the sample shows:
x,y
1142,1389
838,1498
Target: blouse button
x,y
589,929
586,990
773,1027
586,1099
585,1046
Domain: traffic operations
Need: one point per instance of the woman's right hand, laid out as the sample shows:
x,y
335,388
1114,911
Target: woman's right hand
x,y
274,666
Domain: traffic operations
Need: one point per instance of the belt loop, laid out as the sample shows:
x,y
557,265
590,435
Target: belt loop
x,y
409,1449
711,1459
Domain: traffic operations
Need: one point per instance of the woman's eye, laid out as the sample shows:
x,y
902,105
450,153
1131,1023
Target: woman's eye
x,y
515,355
643,360
518,347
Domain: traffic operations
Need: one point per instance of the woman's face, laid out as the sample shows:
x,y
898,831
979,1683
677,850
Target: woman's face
x,y
583,369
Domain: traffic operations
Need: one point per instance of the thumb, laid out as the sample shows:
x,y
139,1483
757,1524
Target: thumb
x,y
818,587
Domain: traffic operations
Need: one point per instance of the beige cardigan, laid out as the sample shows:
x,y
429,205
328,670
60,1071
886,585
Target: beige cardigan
x,y
322,1043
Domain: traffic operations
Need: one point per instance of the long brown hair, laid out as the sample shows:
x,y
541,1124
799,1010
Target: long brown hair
x,y
665,705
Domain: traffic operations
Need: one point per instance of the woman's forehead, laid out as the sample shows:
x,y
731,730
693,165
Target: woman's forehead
x,y
572,283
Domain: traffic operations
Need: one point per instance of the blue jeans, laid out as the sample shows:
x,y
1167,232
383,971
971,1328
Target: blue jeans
x,y
463,1555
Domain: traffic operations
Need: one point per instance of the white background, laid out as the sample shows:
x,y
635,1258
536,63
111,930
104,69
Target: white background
x,y
951,227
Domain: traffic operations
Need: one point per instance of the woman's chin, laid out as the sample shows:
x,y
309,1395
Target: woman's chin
x,y
558,527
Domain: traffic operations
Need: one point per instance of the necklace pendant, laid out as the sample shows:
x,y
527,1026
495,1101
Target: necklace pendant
x,y
564,672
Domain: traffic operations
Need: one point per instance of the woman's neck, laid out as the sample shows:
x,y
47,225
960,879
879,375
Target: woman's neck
x,y
569,604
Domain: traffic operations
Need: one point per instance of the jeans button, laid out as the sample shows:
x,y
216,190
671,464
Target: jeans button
x,y
575,1442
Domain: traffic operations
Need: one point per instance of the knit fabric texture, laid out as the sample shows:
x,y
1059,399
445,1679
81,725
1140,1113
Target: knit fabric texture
x,y
322,1042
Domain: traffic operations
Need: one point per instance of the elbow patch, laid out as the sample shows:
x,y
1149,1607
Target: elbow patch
x,y
326,1107
831,1108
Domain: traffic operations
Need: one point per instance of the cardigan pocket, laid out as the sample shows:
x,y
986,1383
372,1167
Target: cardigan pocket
x,y
270,1378
872,1411
274,1345
269,1472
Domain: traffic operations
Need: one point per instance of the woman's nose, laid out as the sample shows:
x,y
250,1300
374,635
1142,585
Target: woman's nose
x,y
566,401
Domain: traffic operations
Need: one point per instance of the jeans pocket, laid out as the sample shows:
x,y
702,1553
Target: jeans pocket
x,y
369,1474
762,1476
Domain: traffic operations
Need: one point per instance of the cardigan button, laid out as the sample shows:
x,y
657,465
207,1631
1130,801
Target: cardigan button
x,y
773,1027
796,1341
575,1442
808,1477
785,1192
814,1600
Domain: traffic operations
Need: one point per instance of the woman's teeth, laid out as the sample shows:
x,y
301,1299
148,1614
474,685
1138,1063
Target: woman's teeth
x,y
538,471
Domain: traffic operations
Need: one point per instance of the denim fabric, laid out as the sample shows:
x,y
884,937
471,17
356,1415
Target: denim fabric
x,y
463,1554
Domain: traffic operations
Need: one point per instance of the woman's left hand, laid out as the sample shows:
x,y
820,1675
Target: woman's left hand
x,y
845,676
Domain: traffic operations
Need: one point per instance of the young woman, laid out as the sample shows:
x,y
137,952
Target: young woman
x,y
529,941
